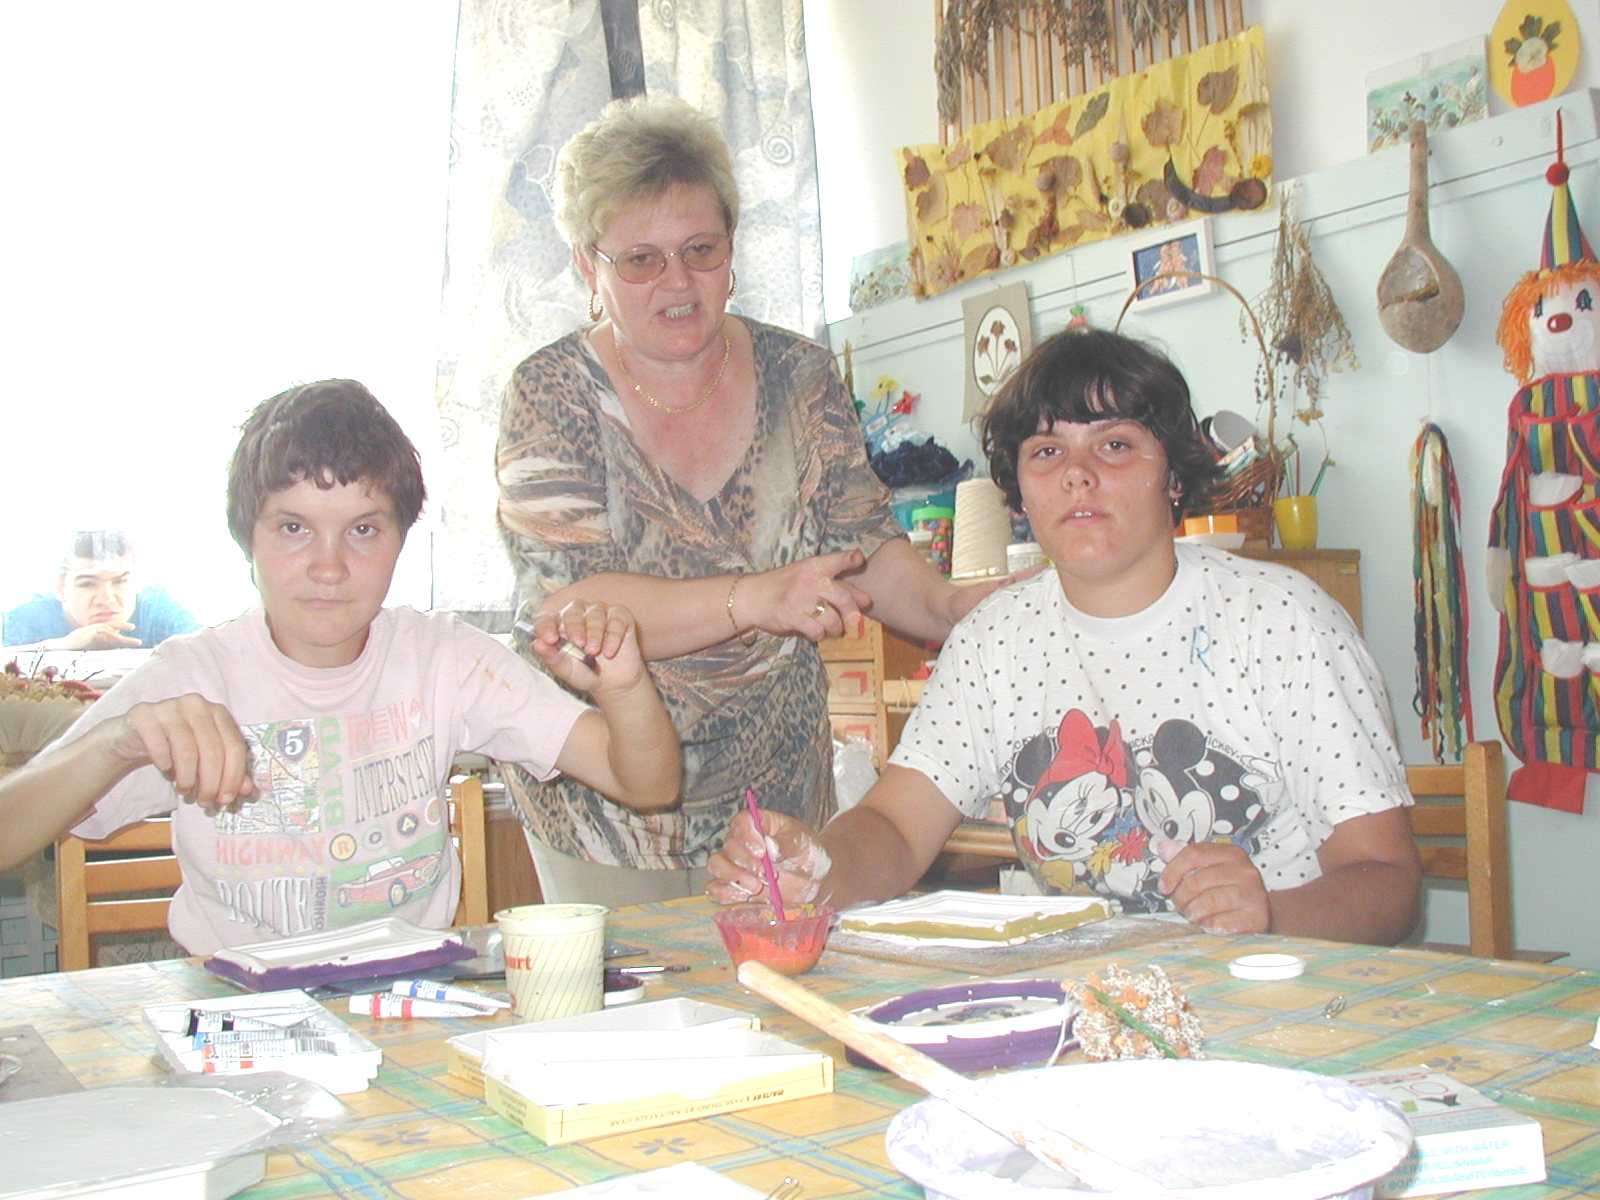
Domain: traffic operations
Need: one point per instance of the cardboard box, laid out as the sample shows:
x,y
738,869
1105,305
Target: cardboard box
x,y
569,1087
464,1052
1464,1140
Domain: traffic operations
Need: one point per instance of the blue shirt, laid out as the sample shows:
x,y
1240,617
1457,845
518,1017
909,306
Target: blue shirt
x,y
156,617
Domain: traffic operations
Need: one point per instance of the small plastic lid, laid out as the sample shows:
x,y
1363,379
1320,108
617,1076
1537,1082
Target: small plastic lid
x,y
932,512
1266,966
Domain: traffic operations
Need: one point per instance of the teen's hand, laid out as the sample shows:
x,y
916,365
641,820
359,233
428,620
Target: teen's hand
x,y
193,742
798,858
1215,885
102,635
589,644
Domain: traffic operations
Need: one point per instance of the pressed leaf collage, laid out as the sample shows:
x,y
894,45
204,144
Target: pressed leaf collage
x,y
1187,136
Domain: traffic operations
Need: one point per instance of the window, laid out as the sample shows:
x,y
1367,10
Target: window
x,y
208,203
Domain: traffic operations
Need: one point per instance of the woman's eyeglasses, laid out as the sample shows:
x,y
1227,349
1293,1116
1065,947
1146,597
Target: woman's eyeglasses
x,y
641,264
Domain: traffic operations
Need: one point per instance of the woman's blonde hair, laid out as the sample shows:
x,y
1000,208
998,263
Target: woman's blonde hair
x,y
635,150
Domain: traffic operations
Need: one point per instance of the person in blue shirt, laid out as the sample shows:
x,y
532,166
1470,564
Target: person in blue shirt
x,y
96,605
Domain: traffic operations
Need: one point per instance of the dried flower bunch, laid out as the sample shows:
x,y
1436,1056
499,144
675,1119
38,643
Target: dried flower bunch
x,y
1141,1014
1305,331
1080,25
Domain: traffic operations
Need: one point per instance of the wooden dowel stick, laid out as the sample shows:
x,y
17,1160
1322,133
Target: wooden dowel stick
x,y
1051,1146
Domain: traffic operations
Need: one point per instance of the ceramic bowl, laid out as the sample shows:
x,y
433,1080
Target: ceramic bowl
x,y
752,934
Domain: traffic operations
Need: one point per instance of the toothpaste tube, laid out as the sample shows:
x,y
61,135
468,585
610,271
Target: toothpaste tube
x,y
386,1004
245,1055
423,989
216,1020
255,1037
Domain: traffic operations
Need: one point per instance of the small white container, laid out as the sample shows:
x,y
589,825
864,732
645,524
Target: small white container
x,y
1022,555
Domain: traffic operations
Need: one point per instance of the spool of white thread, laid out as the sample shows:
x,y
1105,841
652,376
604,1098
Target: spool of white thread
x,y
982,531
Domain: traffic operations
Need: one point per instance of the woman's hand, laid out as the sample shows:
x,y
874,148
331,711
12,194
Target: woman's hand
x,y
588,644
797,853
193,742
808,598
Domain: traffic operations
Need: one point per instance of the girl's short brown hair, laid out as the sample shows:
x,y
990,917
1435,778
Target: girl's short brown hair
x,y
1090,376
331,432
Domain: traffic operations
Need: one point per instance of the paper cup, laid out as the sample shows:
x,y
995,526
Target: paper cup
x,y
554,958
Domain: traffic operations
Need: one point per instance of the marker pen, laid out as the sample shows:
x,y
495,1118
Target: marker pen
x,y
425,989
387,1004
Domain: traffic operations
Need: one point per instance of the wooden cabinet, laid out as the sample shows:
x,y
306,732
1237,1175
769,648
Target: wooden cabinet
x,y
1337,572
867,693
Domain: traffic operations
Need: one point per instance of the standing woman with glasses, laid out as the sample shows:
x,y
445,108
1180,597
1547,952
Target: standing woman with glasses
x,y
707,473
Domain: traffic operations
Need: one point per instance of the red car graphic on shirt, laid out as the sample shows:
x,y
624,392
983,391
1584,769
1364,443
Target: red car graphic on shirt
x,y
393,879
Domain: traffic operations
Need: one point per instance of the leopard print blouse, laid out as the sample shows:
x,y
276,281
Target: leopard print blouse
x,y
579,497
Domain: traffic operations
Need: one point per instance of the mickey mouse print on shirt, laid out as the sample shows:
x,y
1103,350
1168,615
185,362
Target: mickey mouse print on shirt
x,y
1086,809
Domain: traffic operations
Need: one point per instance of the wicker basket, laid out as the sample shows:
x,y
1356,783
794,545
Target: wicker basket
x,y
1249,493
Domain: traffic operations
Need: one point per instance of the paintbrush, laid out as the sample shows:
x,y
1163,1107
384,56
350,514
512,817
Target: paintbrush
x,y
766,854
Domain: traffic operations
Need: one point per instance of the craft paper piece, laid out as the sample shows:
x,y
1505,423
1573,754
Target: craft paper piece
x,y
879,276
1443,88
1533,50
1188,136
680,1179
999,336
957,918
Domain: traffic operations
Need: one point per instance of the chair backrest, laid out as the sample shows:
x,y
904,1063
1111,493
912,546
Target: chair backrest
x,y
1460,821
103,886
467,827
109,892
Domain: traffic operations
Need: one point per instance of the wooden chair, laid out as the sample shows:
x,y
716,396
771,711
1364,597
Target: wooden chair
x,y
104,886
103,894
1460,824
1459,821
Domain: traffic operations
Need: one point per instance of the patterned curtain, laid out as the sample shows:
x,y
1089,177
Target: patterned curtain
x,y
530,74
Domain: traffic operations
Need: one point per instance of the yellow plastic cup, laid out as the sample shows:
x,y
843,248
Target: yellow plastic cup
x,y
1297,522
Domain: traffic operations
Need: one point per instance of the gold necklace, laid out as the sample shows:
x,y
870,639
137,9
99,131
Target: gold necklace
x,y
716,381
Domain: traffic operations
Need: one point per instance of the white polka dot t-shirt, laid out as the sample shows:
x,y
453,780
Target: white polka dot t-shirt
x,y
1241,706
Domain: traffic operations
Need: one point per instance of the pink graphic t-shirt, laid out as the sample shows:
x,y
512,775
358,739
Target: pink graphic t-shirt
x,y
349,821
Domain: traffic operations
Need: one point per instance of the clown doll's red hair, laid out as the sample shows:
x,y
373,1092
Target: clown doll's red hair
x,y
1533,287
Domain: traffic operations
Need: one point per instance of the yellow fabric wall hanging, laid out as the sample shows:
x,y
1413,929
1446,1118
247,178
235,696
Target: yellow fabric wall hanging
x,y
1189,135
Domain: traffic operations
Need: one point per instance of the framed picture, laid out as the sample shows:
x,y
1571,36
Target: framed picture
x,y
1163,264
999,336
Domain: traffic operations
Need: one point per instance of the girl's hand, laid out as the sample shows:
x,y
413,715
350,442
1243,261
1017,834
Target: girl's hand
x,y
588,644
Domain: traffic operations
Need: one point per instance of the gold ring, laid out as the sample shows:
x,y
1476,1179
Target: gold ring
x,y
821,607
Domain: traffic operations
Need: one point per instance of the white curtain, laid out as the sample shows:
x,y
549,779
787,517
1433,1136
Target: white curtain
x,y
529,74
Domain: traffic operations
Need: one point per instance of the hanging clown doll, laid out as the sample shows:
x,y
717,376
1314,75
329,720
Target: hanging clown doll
x,y
1544,530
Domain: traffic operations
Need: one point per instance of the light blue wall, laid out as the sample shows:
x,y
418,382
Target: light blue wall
x,y
1489,202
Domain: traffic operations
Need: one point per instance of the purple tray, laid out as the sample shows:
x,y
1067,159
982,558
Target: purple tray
x,y
314,975
979,1029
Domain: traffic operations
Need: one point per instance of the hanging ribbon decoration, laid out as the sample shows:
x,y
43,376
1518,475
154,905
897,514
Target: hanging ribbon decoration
x,y
1444,693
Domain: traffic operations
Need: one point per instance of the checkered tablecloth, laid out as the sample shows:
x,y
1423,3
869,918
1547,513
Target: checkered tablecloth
x,y
1518,1032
